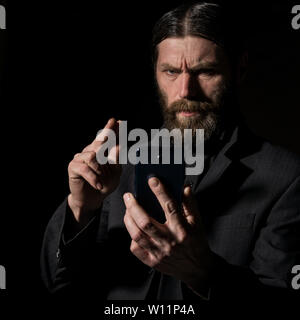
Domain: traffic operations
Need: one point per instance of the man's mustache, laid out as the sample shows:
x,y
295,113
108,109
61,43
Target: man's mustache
x,y
184,105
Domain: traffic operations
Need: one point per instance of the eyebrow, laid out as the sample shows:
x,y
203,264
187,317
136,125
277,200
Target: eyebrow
x,y
167,66
199,66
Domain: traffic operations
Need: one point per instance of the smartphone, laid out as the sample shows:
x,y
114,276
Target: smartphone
x,y
172,175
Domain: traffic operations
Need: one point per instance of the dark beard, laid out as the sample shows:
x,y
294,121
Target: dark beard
x,y
212,117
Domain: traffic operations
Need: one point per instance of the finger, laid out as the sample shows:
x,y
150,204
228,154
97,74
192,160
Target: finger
x,y
113,125
143,255
113,156
101,138
137,235
169,206
108,152
159,244
190,207
80,169
144,222
89,157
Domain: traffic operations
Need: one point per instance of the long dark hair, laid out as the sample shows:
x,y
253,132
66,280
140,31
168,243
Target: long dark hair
x,y
212,21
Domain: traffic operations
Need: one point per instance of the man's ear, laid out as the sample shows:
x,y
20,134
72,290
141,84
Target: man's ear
x,y
242,67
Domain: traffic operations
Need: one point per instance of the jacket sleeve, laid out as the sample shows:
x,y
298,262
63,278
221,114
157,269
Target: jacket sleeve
x,y
68,263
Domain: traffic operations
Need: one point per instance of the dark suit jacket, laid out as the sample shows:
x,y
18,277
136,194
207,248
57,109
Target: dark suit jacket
x,y
250,203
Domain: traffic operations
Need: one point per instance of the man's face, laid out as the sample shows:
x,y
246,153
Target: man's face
x,y
194,77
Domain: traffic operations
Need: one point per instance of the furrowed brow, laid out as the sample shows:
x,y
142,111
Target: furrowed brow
x,y
204,65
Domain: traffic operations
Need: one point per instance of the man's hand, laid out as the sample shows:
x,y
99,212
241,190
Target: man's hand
x,y
91,182
178,247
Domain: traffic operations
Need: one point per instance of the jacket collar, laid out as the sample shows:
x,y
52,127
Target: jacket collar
x,y
240,144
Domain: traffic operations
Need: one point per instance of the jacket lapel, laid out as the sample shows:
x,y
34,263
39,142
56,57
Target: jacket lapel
x,y
219,188
218,167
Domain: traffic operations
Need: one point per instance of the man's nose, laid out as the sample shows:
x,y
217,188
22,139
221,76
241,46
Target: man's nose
x,y
187,86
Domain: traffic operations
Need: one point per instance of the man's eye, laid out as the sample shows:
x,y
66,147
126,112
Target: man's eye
x,y
171,72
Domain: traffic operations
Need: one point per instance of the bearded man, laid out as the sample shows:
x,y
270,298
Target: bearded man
x,y
236,233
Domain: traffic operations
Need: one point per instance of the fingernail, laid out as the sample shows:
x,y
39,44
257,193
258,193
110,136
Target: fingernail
x,y
153,182
127,196
187,190
99,186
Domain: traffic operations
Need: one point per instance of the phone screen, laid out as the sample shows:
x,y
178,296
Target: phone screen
x,y
172,176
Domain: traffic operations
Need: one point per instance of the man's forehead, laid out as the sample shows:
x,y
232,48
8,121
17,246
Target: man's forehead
x,y
192,50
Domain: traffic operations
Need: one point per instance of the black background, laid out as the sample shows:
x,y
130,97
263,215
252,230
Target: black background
x,y
71,65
